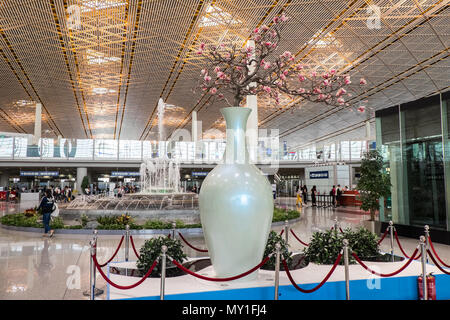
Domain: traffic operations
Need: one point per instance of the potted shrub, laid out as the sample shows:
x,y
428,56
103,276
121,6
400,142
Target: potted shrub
x,y
325,246
372,185
152,250
270,247
84,184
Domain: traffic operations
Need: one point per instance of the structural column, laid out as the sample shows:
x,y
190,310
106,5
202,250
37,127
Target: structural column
x,y
37,124
81,173
252,122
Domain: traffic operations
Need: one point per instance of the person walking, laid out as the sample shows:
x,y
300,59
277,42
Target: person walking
x,y
46,205
338,195
313,196
299,198
333,196
305,194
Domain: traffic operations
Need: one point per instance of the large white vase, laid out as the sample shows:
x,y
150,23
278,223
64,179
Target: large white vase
x,y
236,204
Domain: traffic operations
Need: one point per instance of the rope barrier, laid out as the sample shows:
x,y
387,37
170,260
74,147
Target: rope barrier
x,y
134,248
340,229
436,264
384,235
435,253
221,279
401,248
190,245
303,243
115,253
119,286
281,233
385,275
320,284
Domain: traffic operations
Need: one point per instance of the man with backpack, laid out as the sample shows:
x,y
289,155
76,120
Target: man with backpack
x,y
47,204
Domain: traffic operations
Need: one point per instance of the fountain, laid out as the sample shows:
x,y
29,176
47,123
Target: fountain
x,y
160,195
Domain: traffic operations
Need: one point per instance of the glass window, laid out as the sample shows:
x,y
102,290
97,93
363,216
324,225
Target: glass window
x,y
130,149
79,148
345,150
6,147
105,149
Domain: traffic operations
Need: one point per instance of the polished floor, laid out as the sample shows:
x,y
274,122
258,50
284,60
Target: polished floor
x,y
33,267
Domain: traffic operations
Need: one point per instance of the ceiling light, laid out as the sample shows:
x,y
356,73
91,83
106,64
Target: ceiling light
x,y
102,90
216,16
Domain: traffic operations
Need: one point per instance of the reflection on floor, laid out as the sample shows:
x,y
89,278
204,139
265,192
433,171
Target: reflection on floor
x,y
33,267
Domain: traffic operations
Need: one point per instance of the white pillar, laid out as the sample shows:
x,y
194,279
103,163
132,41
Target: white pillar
x,y
368,133
194,132
81,173
37,123
252,122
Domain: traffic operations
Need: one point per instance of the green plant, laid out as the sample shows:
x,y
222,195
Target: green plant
x,y
273,239
84,220
325,246
84,183
151,250
57,223
373,183
280,214
20,220
124,219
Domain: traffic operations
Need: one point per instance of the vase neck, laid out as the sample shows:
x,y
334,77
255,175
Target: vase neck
x,y
236,148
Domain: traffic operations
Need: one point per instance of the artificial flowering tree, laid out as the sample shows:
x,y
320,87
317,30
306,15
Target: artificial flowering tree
x,y
252,70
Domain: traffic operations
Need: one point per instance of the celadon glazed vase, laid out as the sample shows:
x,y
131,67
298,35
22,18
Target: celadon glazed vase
x,y
236,204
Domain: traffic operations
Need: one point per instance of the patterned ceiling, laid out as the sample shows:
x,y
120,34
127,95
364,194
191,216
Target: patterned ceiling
x,y
99,67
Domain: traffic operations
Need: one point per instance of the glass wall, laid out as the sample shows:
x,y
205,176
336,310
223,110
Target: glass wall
x,y
412,142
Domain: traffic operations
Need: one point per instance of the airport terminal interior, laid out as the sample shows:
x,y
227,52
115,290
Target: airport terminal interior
x,y
224,150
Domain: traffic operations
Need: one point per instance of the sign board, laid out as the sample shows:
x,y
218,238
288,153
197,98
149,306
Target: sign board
x,y
39,173
199,174
318,175
124,174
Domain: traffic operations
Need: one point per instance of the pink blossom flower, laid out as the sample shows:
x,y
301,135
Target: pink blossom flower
x,y
333,71
340,92
301,90
266,65
361,109
256,30
202,46
301,78
285,72
249,49
313,74
299,67
238,68
257,38
221,75
326,82
283,17
273,34
268,43
203,72
267,89
341,100
220,95
347,80
286,54
276,19
317,90
207,78
199,52
282,77
264,28
213,90
362,81
216,69
326,75
321,96
222,45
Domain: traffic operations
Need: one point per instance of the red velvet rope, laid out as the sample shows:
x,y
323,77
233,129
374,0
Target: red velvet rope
x,y
384,235
281,233
115,253
221,279
124,287
385,275
401,248
435,253
134,248
340,229
190,245
303,243
320,284
436,264
168,236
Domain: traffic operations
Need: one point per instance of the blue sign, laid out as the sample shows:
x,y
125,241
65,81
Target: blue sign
x,y
199,174
318,175
124,174
39,173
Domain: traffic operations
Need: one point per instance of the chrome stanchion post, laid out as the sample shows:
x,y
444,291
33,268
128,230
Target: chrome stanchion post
x,y
127,242
336,225
277,269
174,225
95,245
286,230
427,238
423,251
391,235
347,275
93,252
163,271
